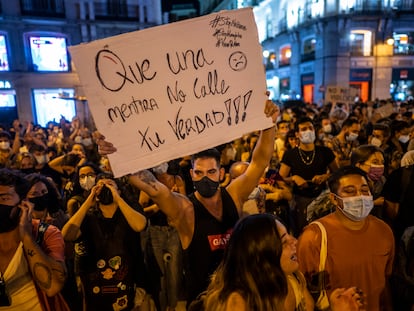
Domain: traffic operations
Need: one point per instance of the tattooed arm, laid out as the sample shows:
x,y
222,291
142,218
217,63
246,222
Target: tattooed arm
x,y
171,203
46,263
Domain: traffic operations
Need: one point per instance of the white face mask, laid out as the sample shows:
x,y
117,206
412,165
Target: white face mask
x,y
41,159
357,208
376,142
307,137
4,145
327,128
404,138
352,137
87,182
87,142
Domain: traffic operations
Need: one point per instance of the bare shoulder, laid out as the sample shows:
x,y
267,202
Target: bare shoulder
x,y
236,302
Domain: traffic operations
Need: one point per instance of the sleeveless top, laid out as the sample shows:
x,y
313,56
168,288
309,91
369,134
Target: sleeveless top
x,y
206,248
110,258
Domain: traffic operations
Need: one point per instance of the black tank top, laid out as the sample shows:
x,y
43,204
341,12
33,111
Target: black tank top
x,y
111,262
206,249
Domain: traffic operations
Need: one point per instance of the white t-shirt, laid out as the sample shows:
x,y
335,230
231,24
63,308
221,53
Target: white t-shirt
x,y
19,284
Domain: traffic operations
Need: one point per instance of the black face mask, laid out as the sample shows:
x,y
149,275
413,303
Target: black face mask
x,y
27,170
40,203
206,187
105,196
9,218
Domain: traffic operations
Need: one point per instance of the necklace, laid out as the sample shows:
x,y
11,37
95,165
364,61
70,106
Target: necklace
x,y
306,157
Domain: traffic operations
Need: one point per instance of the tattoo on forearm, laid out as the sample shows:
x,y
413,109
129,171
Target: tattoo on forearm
x,y
147,177
61,275
42,275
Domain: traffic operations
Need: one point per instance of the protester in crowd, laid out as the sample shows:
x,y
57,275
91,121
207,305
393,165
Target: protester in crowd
x,y
282,128
83,181
111,261
347,139
48,205
251,141
210,211
306,168
292,140
42,164
48,208
24,162
370,159
399,196
6,150
350,230
403,275
32,269
259,271
65,165
250,276
398,143
163,243
325,130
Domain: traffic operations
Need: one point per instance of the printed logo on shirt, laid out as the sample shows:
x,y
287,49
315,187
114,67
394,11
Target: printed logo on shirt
x,y
219,241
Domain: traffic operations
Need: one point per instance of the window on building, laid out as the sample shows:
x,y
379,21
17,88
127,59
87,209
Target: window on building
x,y
48,53
7,94
55,8
285,53
4,61
308,52
270,60
404,43
120,9
360,43
52,104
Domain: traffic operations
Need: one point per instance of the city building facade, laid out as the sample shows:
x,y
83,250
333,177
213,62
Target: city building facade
x,y
309,45
38,82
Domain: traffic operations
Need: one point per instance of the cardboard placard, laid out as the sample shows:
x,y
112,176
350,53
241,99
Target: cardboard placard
x,y
173,90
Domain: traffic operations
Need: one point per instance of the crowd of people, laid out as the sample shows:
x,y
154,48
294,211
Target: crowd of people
x,y
228,228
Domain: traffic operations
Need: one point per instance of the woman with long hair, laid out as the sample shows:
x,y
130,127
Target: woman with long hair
x,y
260,272
250,276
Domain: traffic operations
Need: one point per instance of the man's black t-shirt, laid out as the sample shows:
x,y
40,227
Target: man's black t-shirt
x,y
308,169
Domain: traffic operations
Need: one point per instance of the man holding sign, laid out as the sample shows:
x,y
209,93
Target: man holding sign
x,y
159,96
204,220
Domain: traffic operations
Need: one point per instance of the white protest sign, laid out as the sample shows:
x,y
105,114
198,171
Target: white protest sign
x,y
173,90
339,94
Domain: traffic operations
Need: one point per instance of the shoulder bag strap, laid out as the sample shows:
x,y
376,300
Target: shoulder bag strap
x,y
324,248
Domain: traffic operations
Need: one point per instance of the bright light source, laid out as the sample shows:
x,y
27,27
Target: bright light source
x,y
390,41
288,53
266,53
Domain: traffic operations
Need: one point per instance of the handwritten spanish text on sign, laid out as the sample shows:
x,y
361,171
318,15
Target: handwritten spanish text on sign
x,y
338,94
173,90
